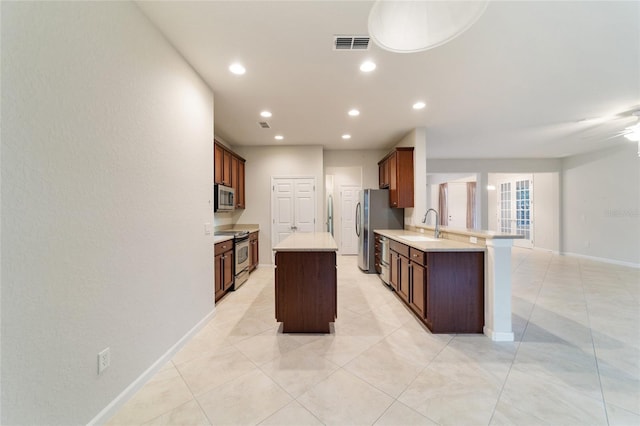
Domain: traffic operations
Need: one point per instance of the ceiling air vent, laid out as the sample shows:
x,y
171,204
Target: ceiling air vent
x,y
350,42
264,124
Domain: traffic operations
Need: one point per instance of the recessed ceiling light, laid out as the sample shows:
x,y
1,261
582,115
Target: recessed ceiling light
x,y
367,66
237,69
419,105
346,136
354,113
279,137
265,114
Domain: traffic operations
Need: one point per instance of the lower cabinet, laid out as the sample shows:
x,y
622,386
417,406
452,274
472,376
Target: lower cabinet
x,y
223,268
444,289
253,251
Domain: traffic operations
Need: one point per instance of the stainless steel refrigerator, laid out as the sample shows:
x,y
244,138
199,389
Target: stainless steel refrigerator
x,y
373,212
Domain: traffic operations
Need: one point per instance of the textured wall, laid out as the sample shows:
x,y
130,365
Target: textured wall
x,y
106,184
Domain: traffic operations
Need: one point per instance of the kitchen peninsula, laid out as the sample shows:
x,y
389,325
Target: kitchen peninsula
x,y
306,282
497,267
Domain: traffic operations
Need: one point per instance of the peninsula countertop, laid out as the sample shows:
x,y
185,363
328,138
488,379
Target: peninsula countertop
x,y
416,240
307,241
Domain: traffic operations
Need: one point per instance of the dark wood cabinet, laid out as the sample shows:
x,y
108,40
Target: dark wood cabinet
x,y
395,172
240,194
227,165
218,165
444,289
400,268
394,270
383,173
455,292
253,251
306,291
223,268
229,170
417,287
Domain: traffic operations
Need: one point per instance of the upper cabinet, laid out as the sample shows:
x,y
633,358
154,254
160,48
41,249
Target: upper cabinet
x,y
395,172
228,170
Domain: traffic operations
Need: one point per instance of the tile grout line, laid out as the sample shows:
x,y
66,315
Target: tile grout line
x,y
524,331
593,345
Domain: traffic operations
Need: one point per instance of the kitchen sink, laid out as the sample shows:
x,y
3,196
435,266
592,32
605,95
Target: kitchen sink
x,y
418,238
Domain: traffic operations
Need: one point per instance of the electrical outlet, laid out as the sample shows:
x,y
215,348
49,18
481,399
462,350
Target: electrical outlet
x,y
104,360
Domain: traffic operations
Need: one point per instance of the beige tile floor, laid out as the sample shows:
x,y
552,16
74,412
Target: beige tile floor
x,y
575,361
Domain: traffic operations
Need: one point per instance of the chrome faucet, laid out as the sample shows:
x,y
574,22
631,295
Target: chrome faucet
x,y
436,233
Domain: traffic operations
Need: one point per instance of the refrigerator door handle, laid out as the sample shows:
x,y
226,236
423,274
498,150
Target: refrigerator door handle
x,y
358,214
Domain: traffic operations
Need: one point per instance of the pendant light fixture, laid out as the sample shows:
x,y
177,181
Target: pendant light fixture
x,y
418,25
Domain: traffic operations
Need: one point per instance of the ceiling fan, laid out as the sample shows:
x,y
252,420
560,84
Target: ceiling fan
x,y
632,131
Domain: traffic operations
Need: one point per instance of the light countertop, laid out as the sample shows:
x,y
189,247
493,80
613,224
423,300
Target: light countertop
x,y
478,233
221,238
440,245
307,241
251,227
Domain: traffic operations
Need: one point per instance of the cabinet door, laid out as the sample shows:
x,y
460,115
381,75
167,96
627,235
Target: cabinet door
x,y
405,280
234,175
404,178
394,270
417,296
393,181
218,154
226,167
218,268
240,204
253,251
227,274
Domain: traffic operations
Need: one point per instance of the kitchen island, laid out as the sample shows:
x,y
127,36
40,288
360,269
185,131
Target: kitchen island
x,y
306,282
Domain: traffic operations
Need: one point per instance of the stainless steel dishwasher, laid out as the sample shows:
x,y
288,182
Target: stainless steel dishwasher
x,y
385,259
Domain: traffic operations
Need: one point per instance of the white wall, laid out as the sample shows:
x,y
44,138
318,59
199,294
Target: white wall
x,y
601,204
106,184
365,159
263,163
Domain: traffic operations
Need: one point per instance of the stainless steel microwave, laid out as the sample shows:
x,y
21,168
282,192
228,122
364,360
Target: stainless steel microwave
x,y
223,198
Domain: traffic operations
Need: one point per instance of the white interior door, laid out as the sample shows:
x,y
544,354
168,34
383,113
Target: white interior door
x,y
457,205
293,207
283,209
305,204
515,209
348,201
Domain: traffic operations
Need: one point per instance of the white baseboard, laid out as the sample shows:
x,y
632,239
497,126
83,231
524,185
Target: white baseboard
x,y
602,259
498,336
546,250
115,405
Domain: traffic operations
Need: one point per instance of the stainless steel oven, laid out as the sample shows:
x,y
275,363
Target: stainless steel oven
x,y
240,255
241,252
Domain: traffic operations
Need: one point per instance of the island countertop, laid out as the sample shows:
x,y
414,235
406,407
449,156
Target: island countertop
x,y
307,241
411,239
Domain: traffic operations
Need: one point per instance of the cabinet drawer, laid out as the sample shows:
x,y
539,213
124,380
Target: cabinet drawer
x,y
399,248
223,247
417,256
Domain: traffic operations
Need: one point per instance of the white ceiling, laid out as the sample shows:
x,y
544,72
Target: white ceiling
x,y
515,85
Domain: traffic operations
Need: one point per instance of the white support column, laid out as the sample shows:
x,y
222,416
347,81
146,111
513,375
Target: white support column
x,y
497,290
